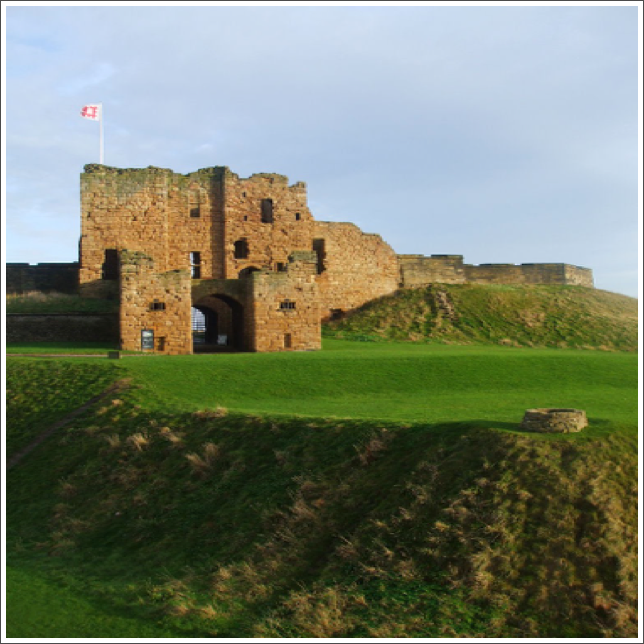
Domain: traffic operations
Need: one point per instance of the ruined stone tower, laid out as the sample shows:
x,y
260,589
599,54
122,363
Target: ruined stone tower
x,y
244,254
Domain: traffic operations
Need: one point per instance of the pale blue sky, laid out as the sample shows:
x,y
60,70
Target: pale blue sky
x,y
506,134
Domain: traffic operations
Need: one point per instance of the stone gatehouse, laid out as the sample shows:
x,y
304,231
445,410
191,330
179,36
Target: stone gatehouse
x,y
241,263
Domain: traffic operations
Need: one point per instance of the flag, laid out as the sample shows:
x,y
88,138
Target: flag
x,y
92,112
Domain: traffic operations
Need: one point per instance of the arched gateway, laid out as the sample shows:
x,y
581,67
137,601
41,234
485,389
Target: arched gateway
x,y
174,313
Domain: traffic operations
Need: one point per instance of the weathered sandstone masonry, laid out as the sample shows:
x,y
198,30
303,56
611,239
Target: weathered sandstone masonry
x,y
224,262
418,270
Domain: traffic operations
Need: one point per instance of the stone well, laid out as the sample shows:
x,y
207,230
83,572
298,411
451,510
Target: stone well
x,y
558,421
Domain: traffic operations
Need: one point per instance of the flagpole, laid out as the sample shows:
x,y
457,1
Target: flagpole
x,y
101,134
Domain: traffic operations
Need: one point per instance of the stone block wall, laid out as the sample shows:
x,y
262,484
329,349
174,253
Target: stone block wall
x,y
418,270
166,215
155,301
62,328
46,278
266,220
354,267
286,308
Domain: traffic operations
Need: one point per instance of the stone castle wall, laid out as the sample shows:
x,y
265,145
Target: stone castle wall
x,y
418,270
354,267
61,327
248,254
156,301
46,278
286,307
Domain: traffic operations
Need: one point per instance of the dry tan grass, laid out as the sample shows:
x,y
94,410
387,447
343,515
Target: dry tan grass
x,y
201,464
113,440
205,414
138,441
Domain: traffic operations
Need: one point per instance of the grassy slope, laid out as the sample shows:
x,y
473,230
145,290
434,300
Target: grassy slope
x,y
396,381
243,526
39,393
554,316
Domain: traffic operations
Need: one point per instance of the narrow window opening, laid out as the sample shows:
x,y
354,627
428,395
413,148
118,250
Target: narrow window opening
x,y
287,305
241,249
298,216
320,250
110,268
157,306
279,267
195,265
267,211
195,212
198,327
288,341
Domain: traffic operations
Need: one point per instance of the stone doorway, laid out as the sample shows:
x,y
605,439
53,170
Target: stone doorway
x,y
217,324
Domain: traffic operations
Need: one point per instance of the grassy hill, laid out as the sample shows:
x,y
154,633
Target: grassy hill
x,y
427,514
549,316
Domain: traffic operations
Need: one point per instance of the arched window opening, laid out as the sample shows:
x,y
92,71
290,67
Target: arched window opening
x,y
246,272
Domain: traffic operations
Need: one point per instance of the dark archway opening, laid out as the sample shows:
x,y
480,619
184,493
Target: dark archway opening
x,y
217,325
247,272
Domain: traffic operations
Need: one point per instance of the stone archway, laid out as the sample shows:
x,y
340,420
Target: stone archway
x,y
222,318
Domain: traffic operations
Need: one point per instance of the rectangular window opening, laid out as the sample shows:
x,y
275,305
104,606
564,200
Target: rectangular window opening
x,y
195,265
195,212
287,305
267,211
157,306
320,250
241,249
110,268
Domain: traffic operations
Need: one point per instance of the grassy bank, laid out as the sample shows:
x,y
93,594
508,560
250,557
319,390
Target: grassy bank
x,y
511,315
152,515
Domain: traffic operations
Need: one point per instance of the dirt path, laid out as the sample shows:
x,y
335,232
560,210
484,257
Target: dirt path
x,y
18,456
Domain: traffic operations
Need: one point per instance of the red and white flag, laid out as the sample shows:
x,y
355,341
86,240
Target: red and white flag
x,y
92,112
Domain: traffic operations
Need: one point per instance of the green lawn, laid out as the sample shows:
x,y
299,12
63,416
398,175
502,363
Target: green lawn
x,y
42,608
428,383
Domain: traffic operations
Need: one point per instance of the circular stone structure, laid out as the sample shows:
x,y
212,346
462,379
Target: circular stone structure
x,y
556,421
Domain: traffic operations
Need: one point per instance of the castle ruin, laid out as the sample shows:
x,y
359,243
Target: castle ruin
x,y
238,263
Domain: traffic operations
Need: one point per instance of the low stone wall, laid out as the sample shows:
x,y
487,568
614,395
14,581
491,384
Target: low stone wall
x,y
419,270
23,278
62,327
555,421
